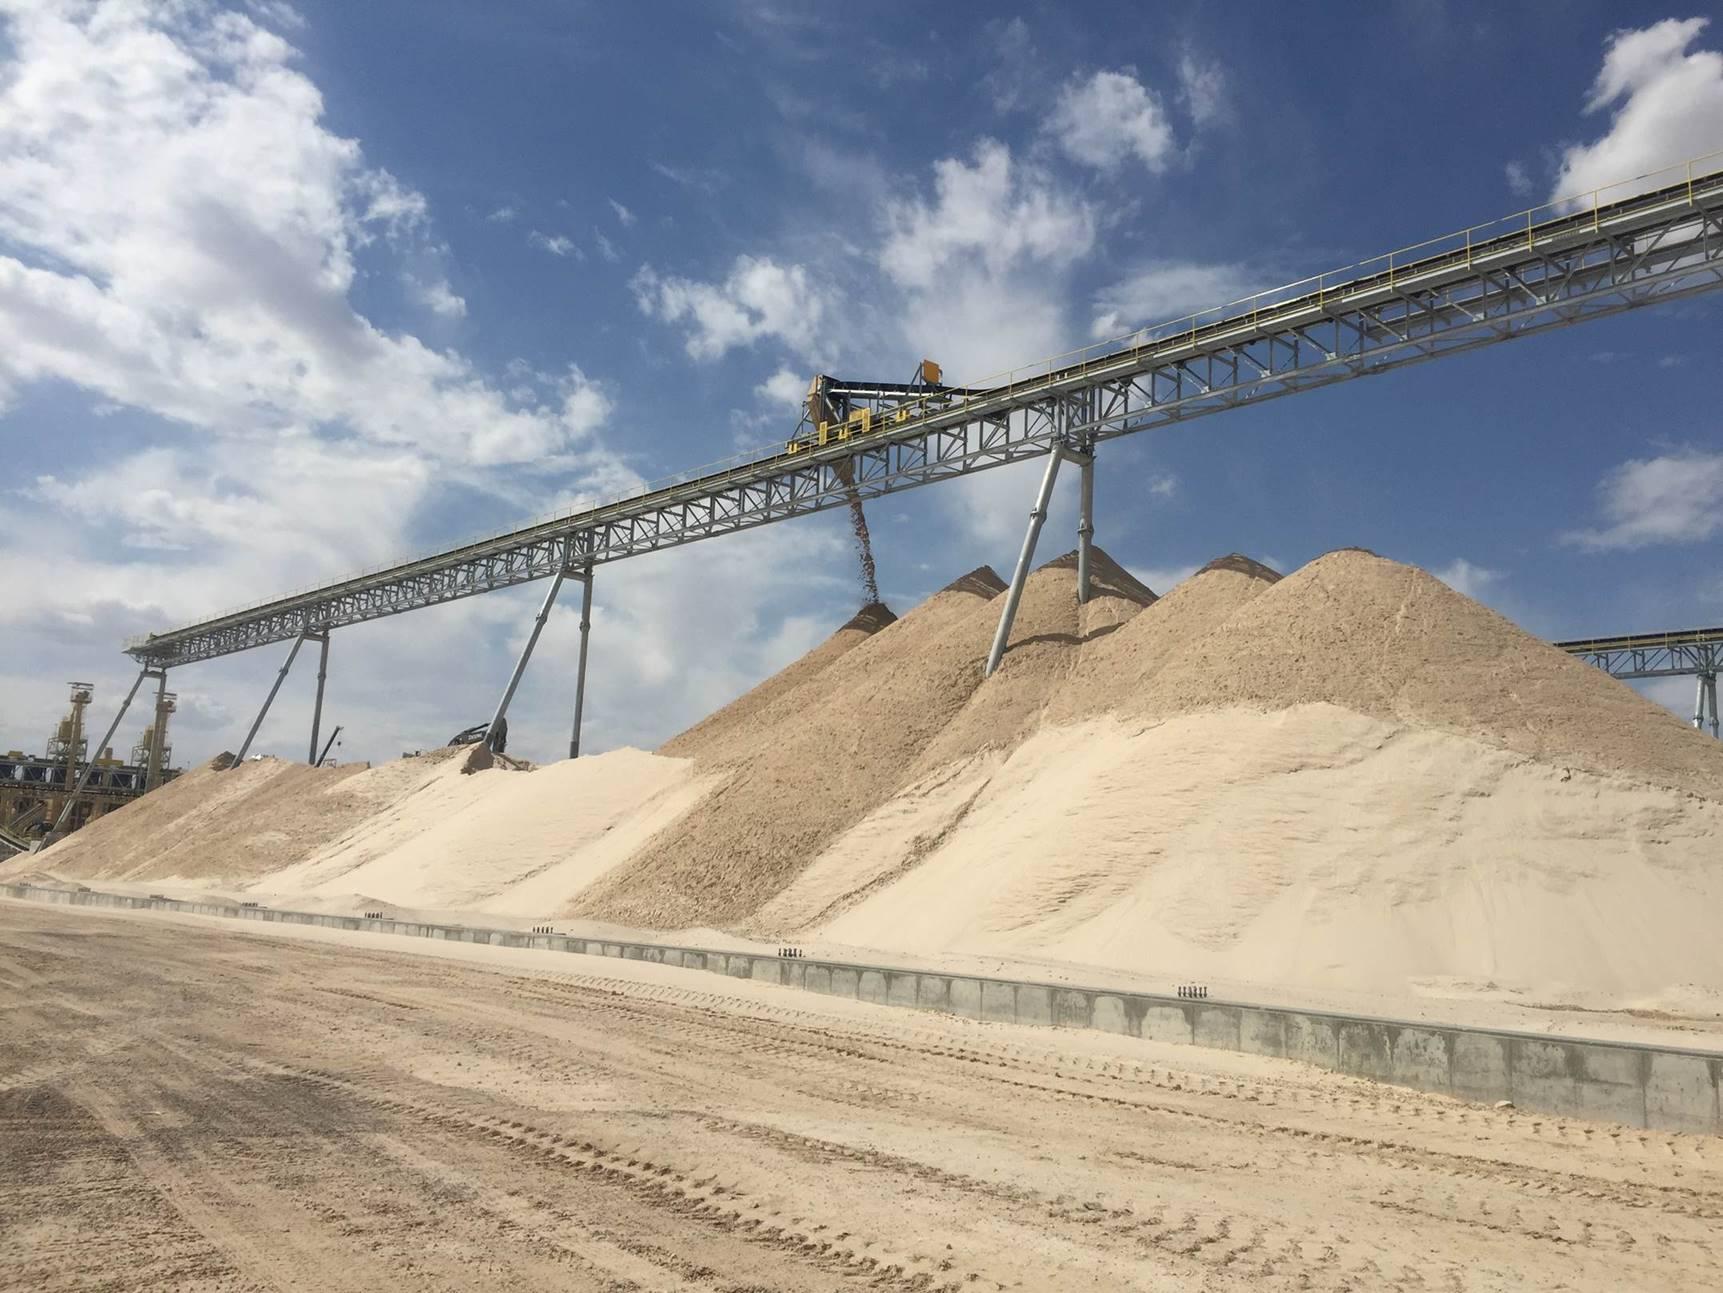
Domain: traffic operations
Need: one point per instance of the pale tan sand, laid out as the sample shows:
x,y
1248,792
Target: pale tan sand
x,y
1312,846
501,841
846,751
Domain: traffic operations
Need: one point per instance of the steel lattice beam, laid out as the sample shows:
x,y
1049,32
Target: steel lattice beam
x,y
1653,247
1692,652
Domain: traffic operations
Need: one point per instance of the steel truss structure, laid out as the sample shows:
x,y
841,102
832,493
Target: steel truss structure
x,y
1591,263
1696,653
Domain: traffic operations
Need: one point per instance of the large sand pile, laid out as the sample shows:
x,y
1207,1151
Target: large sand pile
x,y
1352,777
843,750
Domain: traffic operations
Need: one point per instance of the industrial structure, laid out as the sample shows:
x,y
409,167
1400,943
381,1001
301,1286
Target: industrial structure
x,y
1692,653
65,786
1648,240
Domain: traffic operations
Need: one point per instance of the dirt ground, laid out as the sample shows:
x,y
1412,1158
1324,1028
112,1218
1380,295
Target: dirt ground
x,y
184,1106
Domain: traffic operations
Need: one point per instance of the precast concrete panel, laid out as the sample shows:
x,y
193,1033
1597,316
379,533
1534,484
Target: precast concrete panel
x,y
1419,1058
1543,1076
764,971
1481,1067
1312,1039
933,992
1262,1032
1168,1024
871,987
845,981
900,989
818,978
1109,1016
1681,1093
1611,1083
1034,1005
966,998
795,973
1216,1026
1072,1009
998,1002
1365,1050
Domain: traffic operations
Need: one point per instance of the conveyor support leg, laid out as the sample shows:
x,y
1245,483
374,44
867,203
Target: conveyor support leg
x,y
1037,516
269,700
580,668
317,706
1085,524
525,655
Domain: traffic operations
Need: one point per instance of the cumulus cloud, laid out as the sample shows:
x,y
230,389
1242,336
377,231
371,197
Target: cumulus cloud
x,y
1111,118
1672,498
1165,290
785,388
624,216
1665,100
758,299
1468,579
183,232
1519,179
436,296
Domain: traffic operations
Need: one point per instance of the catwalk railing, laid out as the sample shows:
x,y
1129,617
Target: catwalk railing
x,y
1693,652
1560,265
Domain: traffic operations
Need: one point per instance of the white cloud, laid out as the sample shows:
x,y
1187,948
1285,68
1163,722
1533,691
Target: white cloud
x,y
994,210
503,215
784,387
184,232
1673,498
1111,118
606,248
1469,580
624,216
1667,106
1519,179
436,296
1202,90
1162,579
555,244
758,299
1166,290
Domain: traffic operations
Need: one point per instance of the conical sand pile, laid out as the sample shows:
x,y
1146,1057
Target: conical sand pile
x,y
1380,638
742,723
845,751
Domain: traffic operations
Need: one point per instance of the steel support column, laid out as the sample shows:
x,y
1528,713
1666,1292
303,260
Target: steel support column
x,y
1037,516
580,668
153,768
317,705
96,753
1085,522
525,655
268,701
1705,704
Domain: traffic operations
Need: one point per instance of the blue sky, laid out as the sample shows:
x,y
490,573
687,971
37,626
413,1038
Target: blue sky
x,y
288,291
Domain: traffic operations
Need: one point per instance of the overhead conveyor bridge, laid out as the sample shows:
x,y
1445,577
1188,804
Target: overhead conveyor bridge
x,y
1692,653
1652,239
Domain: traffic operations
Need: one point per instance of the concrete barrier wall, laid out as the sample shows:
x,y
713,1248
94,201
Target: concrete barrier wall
x,y
1642,1086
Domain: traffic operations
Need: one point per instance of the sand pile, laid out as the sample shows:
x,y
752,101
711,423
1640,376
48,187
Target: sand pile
x,y
732,730
1377,637
859,725
1114,671
517,843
